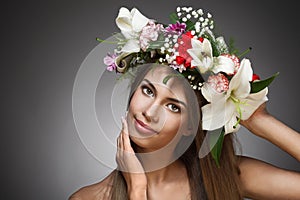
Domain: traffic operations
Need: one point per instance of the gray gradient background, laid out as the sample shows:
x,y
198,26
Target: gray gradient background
x,y
43,44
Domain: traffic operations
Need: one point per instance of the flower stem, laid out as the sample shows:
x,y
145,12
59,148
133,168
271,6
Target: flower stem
x,y
109,42
245,52
238,108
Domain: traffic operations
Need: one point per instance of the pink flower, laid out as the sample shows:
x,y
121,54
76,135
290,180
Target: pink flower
x,y
180,68
109,60
149,33
235,60
177,28
218,82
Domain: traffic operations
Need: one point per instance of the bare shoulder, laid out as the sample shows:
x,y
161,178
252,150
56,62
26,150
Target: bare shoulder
x,y
97,191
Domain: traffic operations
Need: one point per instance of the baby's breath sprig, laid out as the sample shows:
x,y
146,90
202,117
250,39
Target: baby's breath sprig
x,y
195,20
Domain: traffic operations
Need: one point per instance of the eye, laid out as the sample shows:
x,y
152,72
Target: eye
x,y
173,108
147,91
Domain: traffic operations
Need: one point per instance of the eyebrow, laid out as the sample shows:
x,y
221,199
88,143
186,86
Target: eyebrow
x,y
170,99
177,101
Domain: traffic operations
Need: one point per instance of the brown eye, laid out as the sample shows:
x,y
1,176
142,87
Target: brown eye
x,y
147,91
173,108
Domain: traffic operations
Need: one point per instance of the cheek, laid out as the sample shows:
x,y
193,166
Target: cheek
x,y
174,123
136,102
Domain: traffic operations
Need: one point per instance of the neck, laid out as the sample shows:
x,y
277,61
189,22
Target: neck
x,y
161,165
154,160
173,171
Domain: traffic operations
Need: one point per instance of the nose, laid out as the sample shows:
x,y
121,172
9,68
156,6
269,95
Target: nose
x,y
152,112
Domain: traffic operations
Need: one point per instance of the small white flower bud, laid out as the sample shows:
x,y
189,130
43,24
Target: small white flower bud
x,y
200,12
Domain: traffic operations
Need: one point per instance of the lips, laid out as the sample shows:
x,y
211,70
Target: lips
x,y
143,128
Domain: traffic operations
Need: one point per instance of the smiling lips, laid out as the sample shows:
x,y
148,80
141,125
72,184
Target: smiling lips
x,y
143,128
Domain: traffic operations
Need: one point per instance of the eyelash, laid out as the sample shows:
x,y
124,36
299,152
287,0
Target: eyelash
x,y
147,91
177,109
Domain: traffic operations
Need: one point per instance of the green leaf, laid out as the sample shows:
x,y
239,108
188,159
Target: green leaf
x,y
156,44
216,148
232,49
166,79
257,86
189,25
173,18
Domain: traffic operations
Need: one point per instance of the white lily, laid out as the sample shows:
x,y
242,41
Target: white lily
x,y
203,59
237,103
131,23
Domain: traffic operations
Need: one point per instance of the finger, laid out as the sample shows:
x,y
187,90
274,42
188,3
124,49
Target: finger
x,y
124,134
124,125
126,138
118,154
118,142
121,145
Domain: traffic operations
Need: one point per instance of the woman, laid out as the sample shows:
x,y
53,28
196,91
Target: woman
x,y
158,113
162,132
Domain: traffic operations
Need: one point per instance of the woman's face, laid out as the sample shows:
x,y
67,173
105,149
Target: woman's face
x,y
157,111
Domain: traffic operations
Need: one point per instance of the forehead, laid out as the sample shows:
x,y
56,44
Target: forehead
x,y
177,86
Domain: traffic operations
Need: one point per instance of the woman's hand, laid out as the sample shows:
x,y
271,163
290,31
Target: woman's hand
x,y
264,125
259,114
130,166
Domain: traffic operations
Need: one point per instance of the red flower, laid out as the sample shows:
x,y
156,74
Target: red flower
x,y
180,60
189,34
184,43
255,77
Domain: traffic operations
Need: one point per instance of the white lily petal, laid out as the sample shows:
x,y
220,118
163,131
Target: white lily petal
x,y
209,119
195,53
207,48
252,102
201,54
207,62
198,60
131,46
139,21
200,66
196,44
130,35
223,64
210,94
231,126
124,19
259,95
216,115
246,69
240,83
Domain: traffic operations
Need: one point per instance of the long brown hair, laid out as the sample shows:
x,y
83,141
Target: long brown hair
x,y
206,179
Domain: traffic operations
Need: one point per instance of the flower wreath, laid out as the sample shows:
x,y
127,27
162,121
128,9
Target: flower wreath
x,y
189,46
